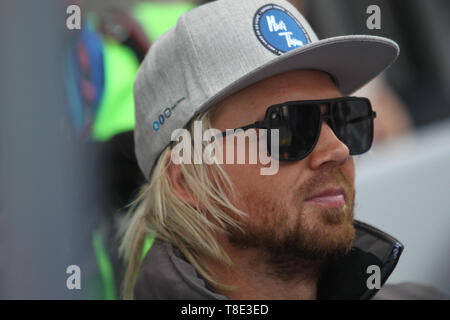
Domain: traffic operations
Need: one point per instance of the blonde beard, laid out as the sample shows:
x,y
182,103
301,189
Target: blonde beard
x,y
305,243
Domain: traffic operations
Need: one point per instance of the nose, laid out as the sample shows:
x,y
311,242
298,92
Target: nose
x,y
328,150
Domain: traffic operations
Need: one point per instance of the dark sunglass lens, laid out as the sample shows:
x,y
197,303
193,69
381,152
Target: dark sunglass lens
x,y
298,129
353,124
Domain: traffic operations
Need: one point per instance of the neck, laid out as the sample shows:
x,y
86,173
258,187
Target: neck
x,y
257,274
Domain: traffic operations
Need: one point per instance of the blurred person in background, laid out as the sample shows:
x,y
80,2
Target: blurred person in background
x,y
100,70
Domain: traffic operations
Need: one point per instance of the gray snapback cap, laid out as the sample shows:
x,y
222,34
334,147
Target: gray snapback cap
x,y
222,47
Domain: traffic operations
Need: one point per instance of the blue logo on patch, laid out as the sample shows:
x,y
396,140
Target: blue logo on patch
x,y
278,30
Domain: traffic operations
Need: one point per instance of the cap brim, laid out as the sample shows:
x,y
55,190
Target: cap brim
x,y
351,60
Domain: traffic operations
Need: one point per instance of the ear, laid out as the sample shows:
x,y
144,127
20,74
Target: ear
x,y
178,183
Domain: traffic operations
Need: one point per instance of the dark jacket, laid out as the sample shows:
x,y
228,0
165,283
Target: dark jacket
x,y
166,274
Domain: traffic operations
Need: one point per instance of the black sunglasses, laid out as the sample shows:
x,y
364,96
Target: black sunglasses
x,y
300,122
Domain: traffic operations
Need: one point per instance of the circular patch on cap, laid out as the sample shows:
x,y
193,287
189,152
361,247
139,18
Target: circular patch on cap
x,y
278,30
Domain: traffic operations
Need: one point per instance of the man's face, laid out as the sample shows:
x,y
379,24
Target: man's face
x,y
287,214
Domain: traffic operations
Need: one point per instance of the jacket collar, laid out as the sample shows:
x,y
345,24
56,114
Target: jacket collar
x,y
166,274
347,277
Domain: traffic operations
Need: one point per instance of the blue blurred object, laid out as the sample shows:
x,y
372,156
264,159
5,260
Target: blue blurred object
x,y
85,80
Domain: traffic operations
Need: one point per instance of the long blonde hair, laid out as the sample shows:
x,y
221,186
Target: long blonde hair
x,y
159,211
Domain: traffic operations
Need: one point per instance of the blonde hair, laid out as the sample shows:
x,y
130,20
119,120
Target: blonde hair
x,y
159,211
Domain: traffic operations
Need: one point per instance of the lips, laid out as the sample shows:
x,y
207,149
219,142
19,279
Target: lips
x,y
331,198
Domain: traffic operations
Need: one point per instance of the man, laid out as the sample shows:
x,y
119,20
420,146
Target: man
x,y
227,231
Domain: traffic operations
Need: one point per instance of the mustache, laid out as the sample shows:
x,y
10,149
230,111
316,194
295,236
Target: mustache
x,y
328,177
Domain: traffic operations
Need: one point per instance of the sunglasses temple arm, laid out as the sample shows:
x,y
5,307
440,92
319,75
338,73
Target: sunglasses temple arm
x,y
372,116
256,125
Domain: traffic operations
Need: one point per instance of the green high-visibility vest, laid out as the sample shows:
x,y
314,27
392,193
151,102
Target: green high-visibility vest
x,y
116,112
